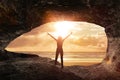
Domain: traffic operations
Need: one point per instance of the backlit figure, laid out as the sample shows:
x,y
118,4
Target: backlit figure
x,y
59,49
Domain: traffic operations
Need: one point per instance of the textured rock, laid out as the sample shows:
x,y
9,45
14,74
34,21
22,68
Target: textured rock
x,y
11,55
33,69
94,72
20,16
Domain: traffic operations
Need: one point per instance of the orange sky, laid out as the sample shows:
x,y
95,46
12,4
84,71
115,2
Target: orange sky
x,y
86,37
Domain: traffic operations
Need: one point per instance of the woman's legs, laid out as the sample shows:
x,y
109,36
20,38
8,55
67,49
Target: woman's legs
x,y
61,55
56,56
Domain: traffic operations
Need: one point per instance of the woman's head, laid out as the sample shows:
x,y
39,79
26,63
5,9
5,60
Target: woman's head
x,y
60,37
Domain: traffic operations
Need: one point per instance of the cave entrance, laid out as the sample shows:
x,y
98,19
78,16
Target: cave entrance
x,y
87,45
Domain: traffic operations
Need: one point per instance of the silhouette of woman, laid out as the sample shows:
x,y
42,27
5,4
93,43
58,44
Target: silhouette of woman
x,y
59,49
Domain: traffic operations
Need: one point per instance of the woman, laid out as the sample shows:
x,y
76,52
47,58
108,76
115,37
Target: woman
x,y
59,49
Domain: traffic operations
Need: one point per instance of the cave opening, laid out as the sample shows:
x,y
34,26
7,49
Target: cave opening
x,y
86,46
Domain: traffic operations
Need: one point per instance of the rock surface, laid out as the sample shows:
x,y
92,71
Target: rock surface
x,y
20,16
32,67
94,72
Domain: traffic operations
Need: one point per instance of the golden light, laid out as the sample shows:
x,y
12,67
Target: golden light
x,y
63,28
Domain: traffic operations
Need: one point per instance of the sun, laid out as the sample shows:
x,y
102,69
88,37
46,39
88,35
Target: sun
x,y
63,28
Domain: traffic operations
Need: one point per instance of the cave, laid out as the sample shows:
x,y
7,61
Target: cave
x,y
20,16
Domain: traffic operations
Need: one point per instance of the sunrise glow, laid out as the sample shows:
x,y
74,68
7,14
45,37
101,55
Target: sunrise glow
x,y
63,28
85,46
85,37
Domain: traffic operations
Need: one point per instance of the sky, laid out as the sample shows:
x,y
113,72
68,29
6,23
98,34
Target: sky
x,y
85,37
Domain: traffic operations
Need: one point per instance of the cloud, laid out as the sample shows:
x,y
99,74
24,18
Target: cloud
x,y
84,38
33,42
89,41
24,41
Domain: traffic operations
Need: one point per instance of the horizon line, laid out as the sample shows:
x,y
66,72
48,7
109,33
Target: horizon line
x,y
64,51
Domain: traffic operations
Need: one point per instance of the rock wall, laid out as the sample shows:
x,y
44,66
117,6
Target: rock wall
x,y
20,16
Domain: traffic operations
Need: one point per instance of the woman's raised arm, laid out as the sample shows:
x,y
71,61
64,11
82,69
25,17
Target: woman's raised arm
x,y
51,36
67,36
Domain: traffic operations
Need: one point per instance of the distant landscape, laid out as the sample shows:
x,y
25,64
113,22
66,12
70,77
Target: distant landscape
x,y
74,58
